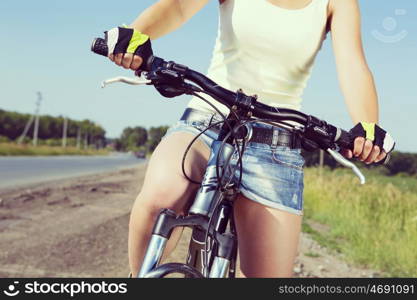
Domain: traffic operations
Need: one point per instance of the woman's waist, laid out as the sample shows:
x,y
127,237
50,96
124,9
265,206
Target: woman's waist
x,y
256,130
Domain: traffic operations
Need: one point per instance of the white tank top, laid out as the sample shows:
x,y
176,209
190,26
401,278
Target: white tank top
x,y
266,50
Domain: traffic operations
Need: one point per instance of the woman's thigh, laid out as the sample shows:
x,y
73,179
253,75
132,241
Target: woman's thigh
x,y
164,183
268,239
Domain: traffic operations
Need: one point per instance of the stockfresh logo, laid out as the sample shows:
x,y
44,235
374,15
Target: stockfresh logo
x,y
12,290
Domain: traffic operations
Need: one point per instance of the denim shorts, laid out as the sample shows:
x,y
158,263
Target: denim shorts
x,y
272,177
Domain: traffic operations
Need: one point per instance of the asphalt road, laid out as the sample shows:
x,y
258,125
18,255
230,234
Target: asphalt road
x,y
15,171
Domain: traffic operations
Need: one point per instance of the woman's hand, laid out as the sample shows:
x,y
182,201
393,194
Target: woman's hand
x,y
126,60
365,151
371,143
128,47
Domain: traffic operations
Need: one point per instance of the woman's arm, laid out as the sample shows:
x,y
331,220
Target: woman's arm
x,y
166,16
355,78
158,20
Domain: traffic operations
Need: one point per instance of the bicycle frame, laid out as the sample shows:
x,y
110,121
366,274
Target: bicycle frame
x,y
210,203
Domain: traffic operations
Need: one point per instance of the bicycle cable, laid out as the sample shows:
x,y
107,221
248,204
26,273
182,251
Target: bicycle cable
x,y
194,93
201,133
189,147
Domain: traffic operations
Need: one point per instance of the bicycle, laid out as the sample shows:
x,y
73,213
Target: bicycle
x,y
212,250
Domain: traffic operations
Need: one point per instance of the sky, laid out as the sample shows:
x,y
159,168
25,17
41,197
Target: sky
x,y
45,47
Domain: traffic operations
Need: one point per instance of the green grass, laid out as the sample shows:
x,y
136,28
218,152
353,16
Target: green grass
x,y
312,254
10,149
374,225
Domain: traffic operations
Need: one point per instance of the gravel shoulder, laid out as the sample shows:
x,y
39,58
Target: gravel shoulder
x,y
78,228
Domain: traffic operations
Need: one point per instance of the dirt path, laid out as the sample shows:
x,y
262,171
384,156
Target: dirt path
x,y
78,228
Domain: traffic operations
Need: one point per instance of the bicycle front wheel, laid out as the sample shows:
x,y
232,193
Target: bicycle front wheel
x,y
174,268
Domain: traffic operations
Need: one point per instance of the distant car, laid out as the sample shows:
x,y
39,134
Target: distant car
x,y
140,154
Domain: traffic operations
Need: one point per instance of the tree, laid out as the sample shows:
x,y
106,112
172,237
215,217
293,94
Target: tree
x,y
402,163
155,136
137,138
133,138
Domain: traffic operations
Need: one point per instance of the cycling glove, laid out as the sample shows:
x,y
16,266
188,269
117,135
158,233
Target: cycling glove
x,y
128,40
374,133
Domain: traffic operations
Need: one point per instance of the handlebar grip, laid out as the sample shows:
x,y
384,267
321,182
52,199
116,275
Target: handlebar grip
x,y
99,46
346,141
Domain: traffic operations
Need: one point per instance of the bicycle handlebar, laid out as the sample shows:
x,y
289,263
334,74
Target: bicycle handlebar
x,y
222,95
329,132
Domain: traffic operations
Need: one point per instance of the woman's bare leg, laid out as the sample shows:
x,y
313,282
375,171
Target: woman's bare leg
x,y
268,239
164,187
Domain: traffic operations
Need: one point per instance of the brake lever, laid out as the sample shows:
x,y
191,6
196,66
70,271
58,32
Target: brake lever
x,y
137,80
346,163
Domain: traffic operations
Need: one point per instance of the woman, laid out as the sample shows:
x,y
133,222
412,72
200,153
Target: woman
x,y
265,47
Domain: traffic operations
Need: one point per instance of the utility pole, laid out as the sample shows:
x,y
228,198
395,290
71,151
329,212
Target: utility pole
x,y
64,132
36,129
25,131
30,121
79,138
86,140
321,161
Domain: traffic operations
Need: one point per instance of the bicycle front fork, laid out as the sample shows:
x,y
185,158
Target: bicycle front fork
x,y
157,244
198,257
167,220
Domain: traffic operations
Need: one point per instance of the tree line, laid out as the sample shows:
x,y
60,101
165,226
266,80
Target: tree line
x,y
140,139
12,125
